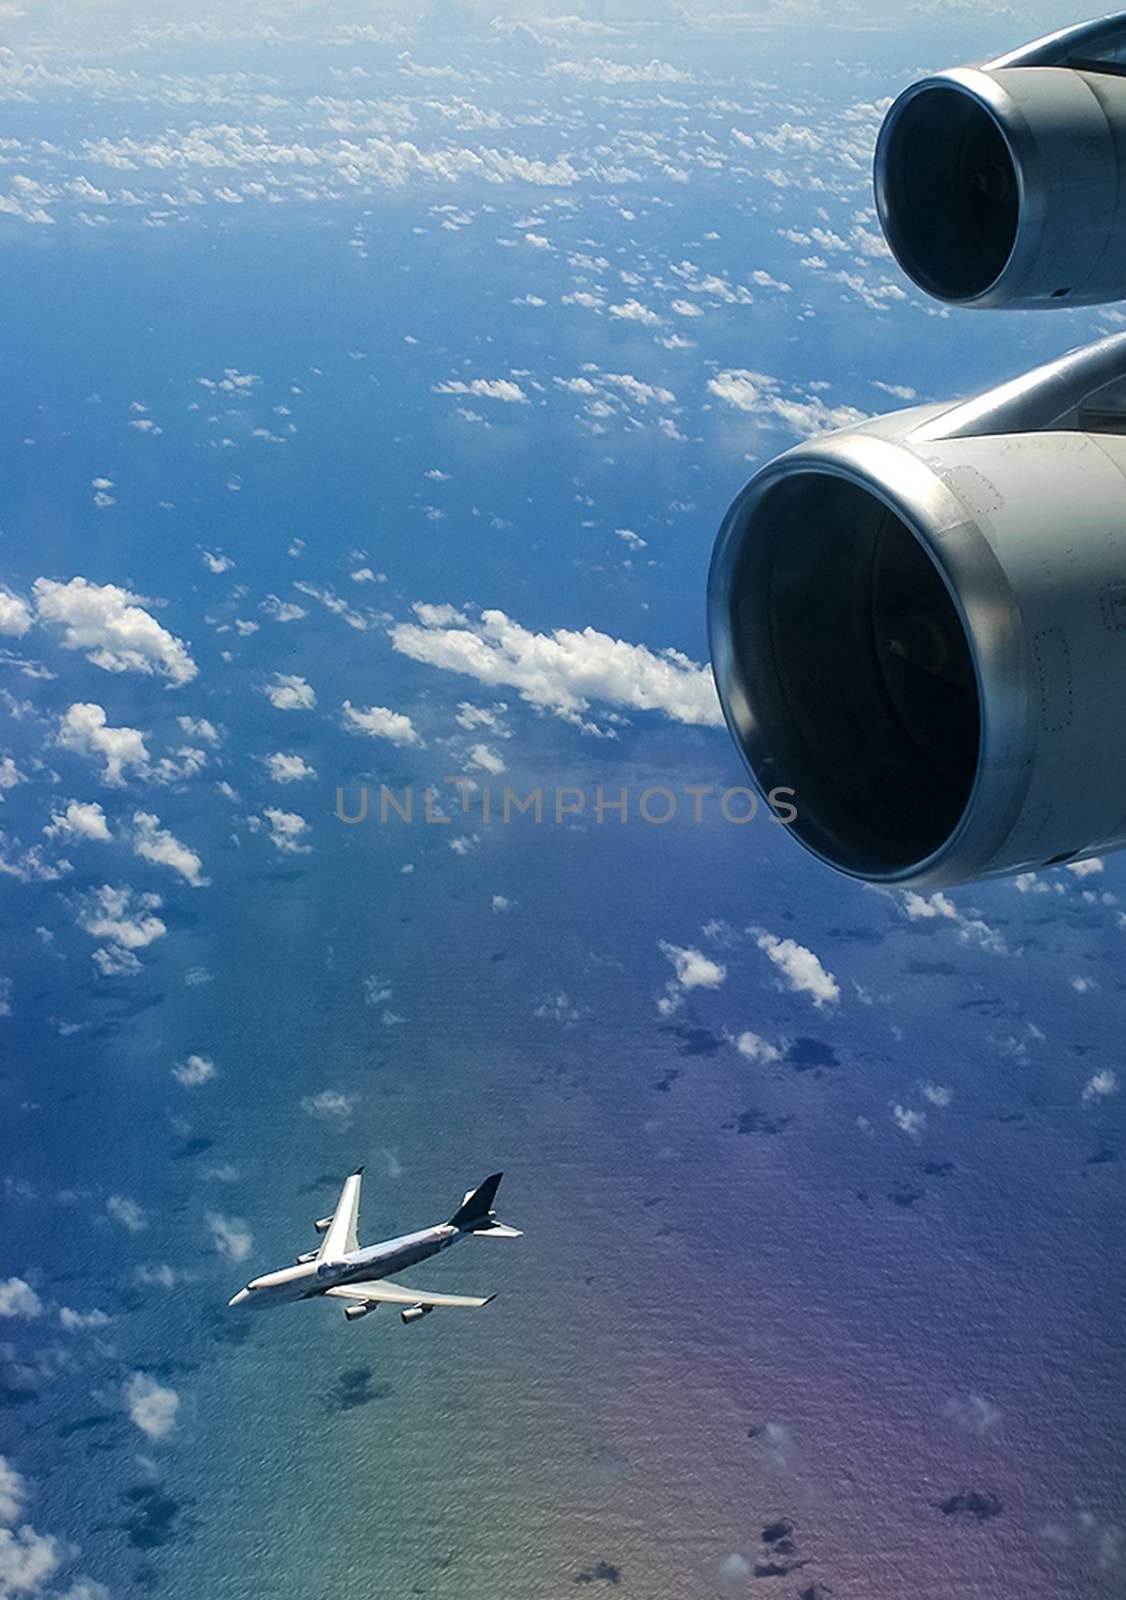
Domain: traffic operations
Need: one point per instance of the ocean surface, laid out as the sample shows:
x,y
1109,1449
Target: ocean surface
x,y
820,1291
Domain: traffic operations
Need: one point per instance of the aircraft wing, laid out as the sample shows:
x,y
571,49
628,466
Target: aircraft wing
x,y
340,1235
397,1294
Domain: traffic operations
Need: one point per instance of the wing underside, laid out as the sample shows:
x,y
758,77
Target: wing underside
x,y
340,1237
397,1294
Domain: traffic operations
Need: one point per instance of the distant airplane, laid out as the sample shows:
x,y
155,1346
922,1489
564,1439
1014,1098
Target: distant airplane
x,y
342,1270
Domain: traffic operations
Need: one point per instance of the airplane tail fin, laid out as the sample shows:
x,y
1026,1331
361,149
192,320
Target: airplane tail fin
x,y
475,1214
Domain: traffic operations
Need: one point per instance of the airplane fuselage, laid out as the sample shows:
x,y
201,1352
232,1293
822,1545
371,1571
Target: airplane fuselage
x,y
308,1279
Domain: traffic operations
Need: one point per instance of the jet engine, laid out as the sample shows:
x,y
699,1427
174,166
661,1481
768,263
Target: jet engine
x,y
354,1313
919,626
415,1313
1005,184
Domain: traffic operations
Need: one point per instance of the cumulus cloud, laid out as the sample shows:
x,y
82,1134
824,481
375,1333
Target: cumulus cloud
x,y
15,614
79,819
193,1072
288,768
19,1299
127,1212
800,968
1100,1086
286,831
121,916
29,1560
329,1105
380,723
484,759
599,70
566,670
199,728
485,389
804,414
81,1321
692,970
755,1048
84,729
289,692
113,628
159,847
971,929
151,1406
912,1123
12,1492
230,1236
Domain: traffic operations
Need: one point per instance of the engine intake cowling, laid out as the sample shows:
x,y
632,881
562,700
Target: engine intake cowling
x,y
1005,185
919,626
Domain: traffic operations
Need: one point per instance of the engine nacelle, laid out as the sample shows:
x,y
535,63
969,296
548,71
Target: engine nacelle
x,y
1005,184
415,1313
354,1313
919,626
322,1225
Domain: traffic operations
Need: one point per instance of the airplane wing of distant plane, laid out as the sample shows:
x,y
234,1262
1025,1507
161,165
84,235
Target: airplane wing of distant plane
x,y
397,1294
339,1230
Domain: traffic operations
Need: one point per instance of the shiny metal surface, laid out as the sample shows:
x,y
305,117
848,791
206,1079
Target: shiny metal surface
x,y
920,627
1005,185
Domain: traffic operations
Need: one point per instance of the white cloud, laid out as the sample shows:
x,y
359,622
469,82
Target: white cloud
x,y
756,1048
151,1406
215,561
286,831
921,909
81,1321
329,1105
801,969
193,1072
19,1299
1086,869
113,629
230,1236
1100,1086
282,610
501,902
121,916
199,728
288,768
27,1560
693,970
28,866
127,1212
380,723
486,389
971,929
599,70
159,847
937,1093
79,819
635,311
83,728
484,759
289,692
912,1123
806,415
114,962
566,670
12,1492
15,614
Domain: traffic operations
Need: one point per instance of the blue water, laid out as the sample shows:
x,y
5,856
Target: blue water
x,y
745,1295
